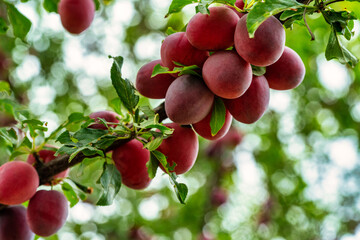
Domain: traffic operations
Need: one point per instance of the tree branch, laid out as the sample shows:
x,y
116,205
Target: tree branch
x,y
61,163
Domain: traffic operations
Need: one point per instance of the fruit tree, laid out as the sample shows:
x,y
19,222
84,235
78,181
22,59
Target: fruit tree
x,y
179,119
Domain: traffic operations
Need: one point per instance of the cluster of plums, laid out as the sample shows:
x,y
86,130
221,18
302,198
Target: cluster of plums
x,y
219,44
76,15
131,158
46,212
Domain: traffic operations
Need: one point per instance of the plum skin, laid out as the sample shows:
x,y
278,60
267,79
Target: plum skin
x,y
109,116
152,87
47,156
203,127
287,72
252,105
267,45
188,100
240,4
130,159
47,212
76,15
214,31
177,47
227,82
18,182
13,225
181,147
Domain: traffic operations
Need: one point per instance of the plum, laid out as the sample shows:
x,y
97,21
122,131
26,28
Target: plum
x,y
251,106
130,159
177,48
214,31
203,127
267,45
13,225
226,74
18,182
181,148
188,100
107,115
287,72
76,15
47,212
152,87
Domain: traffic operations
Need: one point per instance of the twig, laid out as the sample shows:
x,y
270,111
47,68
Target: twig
x,y
306,24
48,170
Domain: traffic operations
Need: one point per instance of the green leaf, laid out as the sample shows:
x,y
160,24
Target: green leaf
x,y
258,71
291,13
88,135
162,128
110,180
70,194
77,117
147,111
3,26
217,116
335,50
152,165
154,144
162,159
182,70
203,6
65,138
87,151
181,189
21,24
35,125
178,5
123,87
263,10
51,5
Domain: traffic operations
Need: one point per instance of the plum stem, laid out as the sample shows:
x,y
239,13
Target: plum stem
x,y
61,163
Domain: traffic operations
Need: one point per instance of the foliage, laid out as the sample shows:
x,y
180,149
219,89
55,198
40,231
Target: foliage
x,y
284,144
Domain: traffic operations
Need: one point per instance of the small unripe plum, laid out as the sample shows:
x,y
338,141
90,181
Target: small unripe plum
x,y
251,106
177,48
214,31
18,182
46,156
47,212
227,75
130,159
152,87
181,147
188,100
218,196
13,225
76,15
267,45
107,115
203,127
240,4
287,72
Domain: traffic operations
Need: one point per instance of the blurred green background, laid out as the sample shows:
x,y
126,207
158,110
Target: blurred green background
x,y
296,174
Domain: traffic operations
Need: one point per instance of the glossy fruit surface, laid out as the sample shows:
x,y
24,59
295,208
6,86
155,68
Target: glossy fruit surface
x,y
130,159
18,182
